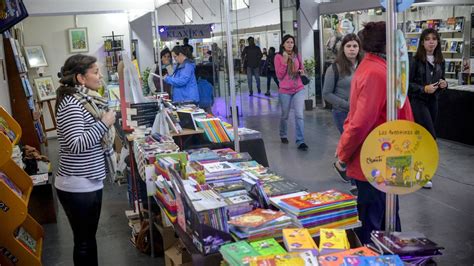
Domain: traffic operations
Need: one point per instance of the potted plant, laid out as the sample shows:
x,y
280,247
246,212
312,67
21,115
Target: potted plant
x,y
309,67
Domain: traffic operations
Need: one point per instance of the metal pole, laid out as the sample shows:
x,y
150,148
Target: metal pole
x,y
391,28
230,65
157,47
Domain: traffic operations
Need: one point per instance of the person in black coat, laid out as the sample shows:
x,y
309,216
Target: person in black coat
x,y
427,81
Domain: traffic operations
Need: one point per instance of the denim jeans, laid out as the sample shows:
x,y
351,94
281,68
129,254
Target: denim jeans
x,y
83,212
253,71
339,118
297,102
270,75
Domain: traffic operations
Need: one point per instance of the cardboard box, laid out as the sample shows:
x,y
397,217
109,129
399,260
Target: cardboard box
x,y
176,255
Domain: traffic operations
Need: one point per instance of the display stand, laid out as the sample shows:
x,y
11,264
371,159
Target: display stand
x,y
14,206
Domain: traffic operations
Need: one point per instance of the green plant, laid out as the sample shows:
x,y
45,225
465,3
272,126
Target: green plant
x,y
309,66
145,74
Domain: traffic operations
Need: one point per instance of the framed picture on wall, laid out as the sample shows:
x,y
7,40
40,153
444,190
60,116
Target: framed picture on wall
x,y
35,56
78,40
45,88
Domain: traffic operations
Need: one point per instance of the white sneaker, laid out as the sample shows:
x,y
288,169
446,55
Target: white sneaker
x,y
428,185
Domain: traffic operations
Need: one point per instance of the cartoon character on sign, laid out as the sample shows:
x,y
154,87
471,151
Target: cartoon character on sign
x,y
419,168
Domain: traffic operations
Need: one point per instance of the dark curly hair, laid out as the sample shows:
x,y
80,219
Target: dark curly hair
x,y
373,37
74,65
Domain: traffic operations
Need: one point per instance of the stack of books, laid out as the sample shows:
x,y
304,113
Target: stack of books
x,y
299,239
221,172
142,114
238,253
267,247
412,247
259,224
229,155
388,260
305,258
333,240
213,129
337,259
327,209
166,198
203,155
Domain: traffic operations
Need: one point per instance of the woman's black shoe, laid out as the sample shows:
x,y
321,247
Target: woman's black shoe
x,y
303,147
284,140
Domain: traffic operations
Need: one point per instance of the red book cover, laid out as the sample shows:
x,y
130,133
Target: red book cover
x,y
317,199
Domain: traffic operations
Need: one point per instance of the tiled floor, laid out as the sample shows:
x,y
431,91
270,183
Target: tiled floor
x,y
445,213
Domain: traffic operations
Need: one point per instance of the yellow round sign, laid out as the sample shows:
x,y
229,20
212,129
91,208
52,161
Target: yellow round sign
x,y
399,157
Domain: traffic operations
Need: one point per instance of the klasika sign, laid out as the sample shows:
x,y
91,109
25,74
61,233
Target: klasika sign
x,y
197,31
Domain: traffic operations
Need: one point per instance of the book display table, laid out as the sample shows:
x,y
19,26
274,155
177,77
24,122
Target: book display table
x,y
455,114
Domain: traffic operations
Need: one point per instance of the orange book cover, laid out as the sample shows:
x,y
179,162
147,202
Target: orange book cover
x,y
316,199
256,218
337,259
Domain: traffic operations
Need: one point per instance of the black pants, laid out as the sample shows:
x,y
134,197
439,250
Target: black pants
x,y
425,113
83,212
270,75
371,208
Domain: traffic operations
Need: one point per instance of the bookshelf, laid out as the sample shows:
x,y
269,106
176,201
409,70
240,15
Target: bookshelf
x,y
113,47
21,236
21,94
452,40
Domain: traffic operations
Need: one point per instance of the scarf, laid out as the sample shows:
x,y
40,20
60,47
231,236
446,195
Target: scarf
x,y
291,71
97,106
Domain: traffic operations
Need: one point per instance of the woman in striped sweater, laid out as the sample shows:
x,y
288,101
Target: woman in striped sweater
x,y
83,131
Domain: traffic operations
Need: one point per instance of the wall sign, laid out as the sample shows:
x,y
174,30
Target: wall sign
x,y
399,157
195,31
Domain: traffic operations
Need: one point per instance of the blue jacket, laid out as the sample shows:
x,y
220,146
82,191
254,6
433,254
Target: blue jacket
x,y
184,83
206,93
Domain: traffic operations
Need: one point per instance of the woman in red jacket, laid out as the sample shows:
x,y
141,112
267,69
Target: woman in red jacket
x,y
367,110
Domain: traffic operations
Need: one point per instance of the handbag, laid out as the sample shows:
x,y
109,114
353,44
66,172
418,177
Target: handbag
x,y
304,79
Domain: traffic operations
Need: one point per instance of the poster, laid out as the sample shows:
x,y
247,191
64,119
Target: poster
x,y
399,157
402,69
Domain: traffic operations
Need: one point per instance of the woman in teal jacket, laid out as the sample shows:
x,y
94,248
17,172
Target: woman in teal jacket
x,y
183,80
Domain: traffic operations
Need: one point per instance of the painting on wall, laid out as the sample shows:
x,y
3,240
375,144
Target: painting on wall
x,y
78,40
35,56
45,88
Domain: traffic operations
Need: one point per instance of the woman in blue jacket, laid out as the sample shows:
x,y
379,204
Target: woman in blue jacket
x,y
183,80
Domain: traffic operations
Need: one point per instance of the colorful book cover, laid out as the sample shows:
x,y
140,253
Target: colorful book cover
x,y
296,239
316,199
26,239
331,238
268,247
10,184
280,187
235,253
256,218
337,259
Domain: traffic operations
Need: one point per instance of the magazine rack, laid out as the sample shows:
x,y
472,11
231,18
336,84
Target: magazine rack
x,y
14,207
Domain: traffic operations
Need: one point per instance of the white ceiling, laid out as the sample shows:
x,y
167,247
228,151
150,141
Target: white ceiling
x,y
68,7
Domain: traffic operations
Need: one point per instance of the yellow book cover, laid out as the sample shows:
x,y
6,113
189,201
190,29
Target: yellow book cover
x,y
333,238
298,239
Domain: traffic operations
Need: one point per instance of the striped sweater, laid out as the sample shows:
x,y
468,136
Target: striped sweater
x,y
79,136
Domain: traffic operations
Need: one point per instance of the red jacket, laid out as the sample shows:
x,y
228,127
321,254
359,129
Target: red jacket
x,y
368,110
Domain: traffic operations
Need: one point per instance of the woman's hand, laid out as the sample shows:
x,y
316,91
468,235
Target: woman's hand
x,y
431,88
301,71
443,84
108,118
285,56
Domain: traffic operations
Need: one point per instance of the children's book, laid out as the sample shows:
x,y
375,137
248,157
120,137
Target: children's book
x,y
333,239
298,239
337,259
256,218
386,260
26,239
236,253
10,184
268,247
316,199
280,187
